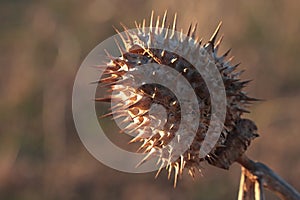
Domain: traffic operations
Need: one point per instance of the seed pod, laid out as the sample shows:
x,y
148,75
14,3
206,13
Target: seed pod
x,y
133,105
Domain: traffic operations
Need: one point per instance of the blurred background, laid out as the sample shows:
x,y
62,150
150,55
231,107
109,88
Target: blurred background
x,y
42,44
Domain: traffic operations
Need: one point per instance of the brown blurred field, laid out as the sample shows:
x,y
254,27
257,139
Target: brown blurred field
x,y
43,44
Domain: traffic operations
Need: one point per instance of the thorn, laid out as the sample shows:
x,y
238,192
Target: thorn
x,y
124,27
253,99
238,73
214,36
151,19
159,170
230,69
157,25
108,54
164,20
121,50
189,31
143,25
135,139
200,41
174,23
194,31
181,164
146,157
236,65
209,47
218,43
96,82
176,169
104,99
181,34
167,32
106,115
120,35
246,82
138,27
170,171
230,59
126,32
226,53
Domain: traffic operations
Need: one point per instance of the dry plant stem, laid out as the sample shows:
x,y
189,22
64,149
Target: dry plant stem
x,y
267,178
259,190
246,187
250,187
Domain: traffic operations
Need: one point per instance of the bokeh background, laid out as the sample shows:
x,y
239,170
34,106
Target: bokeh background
x,y
42,44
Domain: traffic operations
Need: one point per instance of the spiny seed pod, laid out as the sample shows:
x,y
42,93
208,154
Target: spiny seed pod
x,y
133,104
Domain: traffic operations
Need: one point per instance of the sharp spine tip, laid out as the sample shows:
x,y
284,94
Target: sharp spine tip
x,y
174,22
164,20
194,31
214,36
189,30
226,53
151,19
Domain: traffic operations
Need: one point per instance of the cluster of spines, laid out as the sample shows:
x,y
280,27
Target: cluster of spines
x,y
133,104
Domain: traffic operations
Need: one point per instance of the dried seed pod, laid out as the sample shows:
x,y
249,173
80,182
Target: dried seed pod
x,y
133,104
